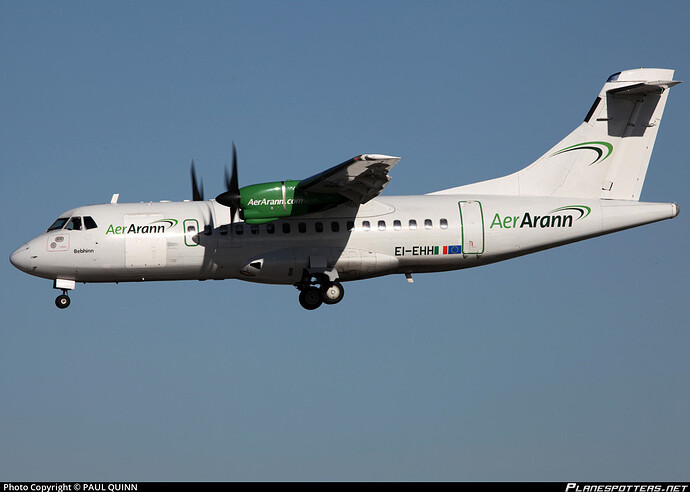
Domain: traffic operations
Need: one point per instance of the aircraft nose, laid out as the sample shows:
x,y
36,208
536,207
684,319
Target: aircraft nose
x,y
21,258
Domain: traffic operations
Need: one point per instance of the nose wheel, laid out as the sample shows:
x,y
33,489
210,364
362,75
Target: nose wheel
x,y
62,301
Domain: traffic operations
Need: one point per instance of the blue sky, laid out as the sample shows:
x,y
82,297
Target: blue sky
x,y
567,364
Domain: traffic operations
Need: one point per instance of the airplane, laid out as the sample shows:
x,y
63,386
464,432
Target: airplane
x,y
334,227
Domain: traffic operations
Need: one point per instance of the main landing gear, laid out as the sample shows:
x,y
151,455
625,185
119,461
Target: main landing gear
x,y
311,296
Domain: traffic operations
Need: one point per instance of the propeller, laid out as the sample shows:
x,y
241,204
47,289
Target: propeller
x,y
197,189
231,197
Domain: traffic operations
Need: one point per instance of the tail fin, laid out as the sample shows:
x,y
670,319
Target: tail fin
x,y
607,155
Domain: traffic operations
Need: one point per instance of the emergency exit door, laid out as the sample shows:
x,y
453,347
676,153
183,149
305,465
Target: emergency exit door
x,y
472,219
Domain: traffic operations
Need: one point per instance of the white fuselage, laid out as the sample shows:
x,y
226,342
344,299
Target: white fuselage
x,y
397,234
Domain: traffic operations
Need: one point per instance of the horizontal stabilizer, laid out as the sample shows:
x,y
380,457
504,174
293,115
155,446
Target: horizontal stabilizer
x,y
656,87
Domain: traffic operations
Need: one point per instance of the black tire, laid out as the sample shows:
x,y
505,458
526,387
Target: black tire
x,y
332,293
310,298
62,301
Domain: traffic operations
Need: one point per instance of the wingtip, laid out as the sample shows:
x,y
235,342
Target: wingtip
x,y
377,157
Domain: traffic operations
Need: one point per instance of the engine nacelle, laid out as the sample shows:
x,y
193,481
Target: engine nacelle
x,y
269,201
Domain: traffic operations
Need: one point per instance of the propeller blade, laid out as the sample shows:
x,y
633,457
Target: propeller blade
x,y
233,185
284,197
231,197
197,191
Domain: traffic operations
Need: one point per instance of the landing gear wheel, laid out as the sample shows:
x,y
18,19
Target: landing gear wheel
x,y
332,293
62,301
310,298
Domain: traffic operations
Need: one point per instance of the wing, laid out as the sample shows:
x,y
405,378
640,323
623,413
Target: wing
x,y
359,179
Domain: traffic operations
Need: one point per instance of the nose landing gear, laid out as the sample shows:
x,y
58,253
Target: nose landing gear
x,y
62,301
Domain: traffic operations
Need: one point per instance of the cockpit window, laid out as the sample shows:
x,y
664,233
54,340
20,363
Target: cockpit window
x,y
74,224
89,223
58,224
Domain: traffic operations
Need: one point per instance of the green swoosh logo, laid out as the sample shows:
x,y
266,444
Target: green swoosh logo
x,y
169,222
598,147
583,209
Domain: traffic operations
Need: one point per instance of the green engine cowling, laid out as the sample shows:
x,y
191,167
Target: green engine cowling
x,y
266,202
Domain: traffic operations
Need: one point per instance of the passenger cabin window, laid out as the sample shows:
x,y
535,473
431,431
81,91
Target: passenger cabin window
x,y
335,226
397,225
89,223
208,230
74,224
318,226
427,224
302,227
58,224
254,228
366,225
382,225
444,224
413,224
286,228
224,230
239,229
350,225
270,228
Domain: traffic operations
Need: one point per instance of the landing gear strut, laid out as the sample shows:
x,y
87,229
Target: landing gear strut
x,y
311,296
62,301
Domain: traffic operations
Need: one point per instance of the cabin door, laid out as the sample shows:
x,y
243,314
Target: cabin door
x,y
472,219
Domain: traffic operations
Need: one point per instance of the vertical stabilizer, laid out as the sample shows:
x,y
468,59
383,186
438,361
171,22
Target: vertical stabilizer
x,y
607,155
